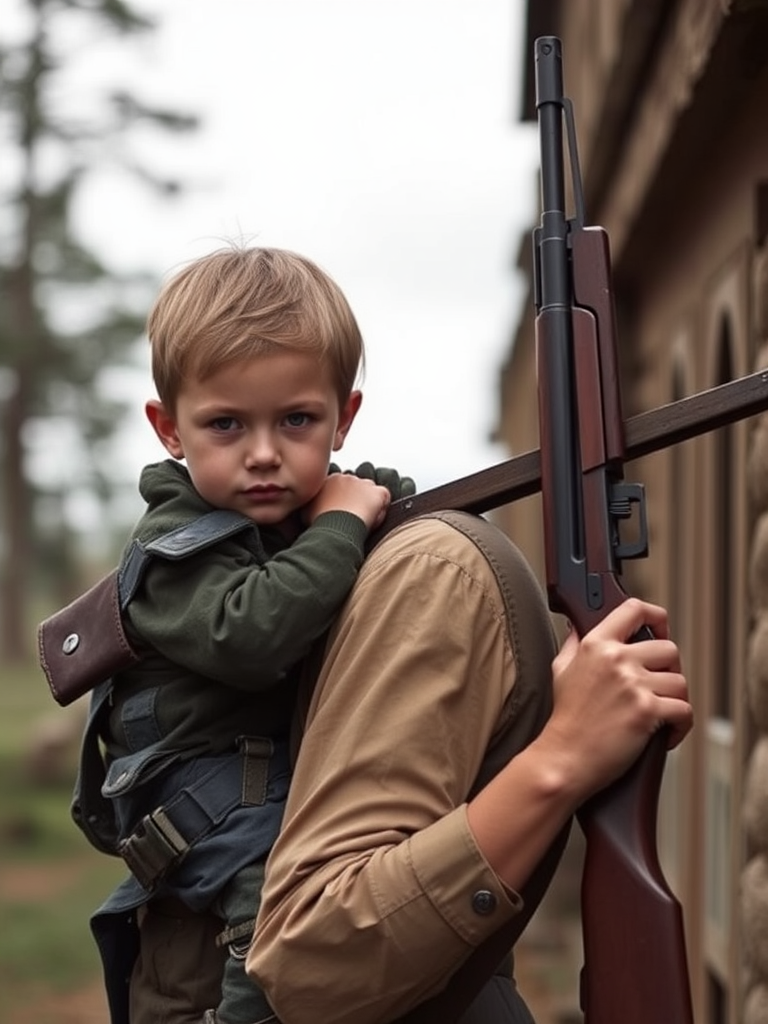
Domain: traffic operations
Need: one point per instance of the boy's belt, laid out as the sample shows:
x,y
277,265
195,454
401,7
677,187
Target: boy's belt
x,y
164,836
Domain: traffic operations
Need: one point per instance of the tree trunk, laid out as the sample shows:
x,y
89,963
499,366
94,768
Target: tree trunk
x,y
15,628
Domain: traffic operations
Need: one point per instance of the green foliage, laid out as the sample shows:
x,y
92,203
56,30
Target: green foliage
x,y
50,878
51,930
34,818
24,696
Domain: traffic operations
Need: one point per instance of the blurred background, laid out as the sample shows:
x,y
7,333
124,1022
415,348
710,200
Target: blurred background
x,y
379,139
395,143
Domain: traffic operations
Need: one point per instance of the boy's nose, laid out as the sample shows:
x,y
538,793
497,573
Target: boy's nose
x,y
262,450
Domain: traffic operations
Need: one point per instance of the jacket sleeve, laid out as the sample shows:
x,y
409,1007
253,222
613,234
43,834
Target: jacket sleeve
x,y
226,617
376,891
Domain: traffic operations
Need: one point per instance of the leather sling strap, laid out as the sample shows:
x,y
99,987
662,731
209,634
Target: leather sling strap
x,y
463,1000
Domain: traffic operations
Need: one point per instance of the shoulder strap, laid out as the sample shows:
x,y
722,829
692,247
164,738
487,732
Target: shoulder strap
x,y
190,539
90,810
531,636
528,708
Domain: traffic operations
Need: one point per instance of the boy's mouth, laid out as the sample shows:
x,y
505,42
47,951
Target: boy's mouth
x,y
264,492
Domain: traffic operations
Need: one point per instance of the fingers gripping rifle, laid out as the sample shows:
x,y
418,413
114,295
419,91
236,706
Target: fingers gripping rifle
x,y
635,968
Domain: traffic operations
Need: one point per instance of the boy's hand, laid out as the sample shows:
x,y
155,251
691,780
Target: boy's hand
x,y
343,492
398,486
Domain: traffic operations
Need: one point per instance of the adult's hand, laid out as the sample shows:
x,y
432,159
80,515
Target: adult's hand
x,y
612,694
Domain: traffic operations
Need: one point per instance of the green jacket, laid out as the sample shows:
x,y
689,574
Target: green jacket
x,y
221,630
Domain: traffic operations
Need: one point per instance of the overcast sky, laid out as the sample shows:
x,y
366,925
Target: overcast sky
x,y
382,139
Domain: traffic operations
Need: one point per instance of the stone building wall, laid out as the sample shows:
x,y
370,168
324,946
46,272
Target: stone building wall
x,y
754,881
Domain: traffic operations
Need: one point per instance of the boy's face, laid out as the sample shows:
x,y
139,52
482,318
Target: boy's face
x,y
257,436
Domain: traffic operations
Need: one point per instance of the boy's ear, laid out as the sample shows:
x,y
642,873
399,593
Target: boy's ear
x,y
164,425
347,415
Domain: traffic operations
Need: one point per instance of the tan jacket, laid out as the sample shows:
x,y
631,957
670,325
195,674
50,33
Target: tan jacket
x,y
376,892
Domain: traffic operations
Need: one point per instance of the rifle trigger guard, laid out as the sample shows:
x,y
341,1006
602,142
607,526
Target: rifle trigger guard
x,y
623,497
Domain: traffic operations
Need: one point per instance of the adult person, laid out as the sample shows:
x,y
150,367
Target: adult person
x,y
392,866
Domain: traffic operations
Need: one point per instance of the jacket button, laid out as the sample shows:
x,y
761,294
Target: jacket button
x,y
71,643
483,902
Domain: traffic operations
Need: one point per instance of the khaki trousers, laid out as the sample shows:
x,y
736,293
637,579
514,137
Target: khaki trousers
x,y
177,976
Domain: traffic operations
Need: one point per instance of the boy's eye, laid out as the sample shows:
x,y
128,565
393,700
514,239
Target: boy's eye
x,y
224,423
297,419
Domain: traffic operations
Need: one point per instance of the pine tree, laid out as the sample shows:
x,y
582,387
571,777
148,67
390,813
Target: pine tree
x,y
64,315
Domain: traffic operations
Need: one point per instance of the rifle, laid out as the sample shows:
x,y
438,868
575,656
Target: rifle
x,y
645,433
635,965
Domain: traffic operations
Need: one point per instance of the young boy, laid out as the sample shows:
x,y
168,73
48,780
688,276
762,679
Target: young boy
x,y
255,354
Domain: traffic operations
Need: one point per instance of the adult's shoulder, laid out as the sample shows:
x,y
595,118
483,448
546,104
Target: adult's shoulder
x,y
468,542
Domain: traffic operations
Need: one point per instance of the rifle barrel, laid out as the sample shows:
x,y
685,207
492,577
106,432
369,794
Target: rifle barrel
x,y
646,433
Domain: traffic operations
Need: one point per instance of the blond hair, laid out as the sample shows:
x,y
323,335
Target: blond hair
x,y
241,302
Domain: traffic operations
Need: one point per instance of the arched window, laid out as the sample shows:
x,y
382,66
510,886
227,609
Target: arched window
x,y
677,520
724,480
674,807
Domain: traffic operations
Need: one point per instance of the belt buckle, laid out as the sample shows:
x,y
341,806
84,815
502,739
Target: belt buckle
x,y
153,848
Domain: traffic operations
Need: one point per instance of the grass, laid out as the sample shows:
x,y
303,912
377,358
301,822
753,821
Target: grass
x,y
24,696
45,937
50,878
